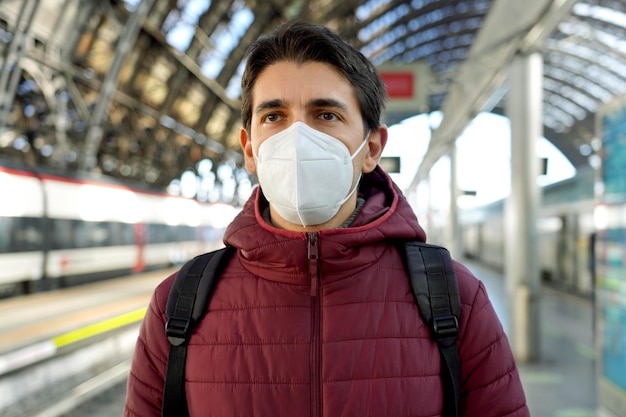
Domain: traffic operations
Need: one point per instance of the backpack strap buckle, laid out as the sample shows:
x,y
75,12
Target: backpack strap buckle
x,y
177,330
446,326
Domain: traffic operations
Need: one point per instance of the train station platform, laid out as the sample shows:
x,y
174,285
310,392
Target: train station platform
x,y
561,384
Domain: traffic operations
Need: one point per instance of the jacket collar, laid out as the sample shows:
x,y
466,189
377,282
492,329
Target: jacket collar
x,y
281,255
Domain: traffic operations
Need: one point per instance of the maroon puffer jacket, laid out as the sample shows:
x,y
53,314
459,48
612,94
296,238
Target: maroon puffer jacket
x,y
325,324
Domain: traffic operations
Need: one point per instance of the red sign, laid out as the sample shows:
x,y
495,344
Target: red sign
x,y
399,84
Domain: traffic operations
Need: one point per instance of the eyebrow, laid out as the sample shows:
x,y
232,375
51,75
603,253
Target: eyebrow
x,y
327,102
314,103
270,104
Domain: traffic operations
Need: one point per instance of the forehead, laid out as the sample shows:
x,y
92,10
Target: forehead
x,y
297,83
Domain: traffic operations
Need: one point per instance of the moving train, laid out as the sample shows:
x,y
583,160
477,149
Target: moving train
x,y
57,231
565,233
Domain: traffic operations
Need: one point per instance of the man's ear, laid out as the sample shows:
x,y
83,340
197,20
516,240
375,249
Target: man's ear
x,y
246,147
376,143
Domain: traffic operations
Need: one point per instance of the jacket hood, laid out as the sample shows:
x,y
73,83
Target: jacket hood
x,y
282,255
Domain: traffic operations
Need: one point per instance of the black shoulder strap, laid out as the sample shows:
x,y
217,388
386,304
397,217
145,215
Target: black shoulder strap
x,y
186,304
437,293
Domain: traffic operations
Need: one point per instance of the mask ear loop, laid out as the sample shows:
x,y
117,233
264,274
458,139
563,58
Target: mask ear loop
x,y
356,184
360,146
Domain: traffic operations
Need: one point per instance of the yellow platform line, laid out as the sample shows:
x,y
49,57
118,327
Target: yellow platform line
x,y
98,328
28,355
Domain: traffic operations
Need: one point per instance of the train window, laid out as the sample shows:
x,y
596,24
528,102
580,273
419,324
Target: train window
x,y
173,233
128,234
176,234
169,233
81,236
150,234
5,234
154,234
187,233
208,234
147,233
99,234
62,232
116,237
20,234
68,234
28,235
159,233
120,234
162,233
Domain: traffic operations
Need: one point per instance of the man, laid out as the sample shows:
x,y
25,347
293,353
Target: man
x,y
314,314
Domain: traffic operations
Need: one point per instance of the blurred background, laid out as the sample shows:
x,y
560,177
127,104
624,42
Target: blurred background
x,y
120,159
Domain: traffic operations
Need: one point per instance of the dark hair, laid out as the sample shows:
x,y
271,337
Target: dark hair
x,y
302,42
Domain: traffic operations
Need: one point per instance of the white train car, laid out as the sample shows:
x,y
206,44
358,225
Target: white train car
x,y
173,229
565,234
21,226
57,231
90,227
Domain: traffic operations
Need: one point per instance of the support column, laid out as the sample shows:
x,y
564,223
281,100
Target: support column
x,y
454,243
524,109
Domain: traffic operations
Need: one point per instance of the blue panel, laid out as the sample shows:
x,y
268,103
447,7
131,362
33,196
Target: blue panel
x,y
611,290
614,150
614,352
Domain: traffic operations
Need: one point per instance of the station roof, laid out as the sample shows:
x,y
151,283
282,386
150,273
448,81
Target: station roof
x,y
145,89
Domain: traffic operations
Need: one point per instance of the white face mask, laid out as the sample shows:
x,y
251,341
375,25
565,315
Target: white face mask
x,y
305,174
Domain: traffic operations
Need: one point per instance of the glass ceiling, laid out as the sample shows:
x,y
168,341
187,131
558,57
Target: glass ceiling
x,y
180,83
585,61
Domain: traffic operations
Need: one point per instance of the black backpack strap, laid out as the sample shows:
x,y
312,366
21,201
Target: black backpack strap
x,y
186,304
437,293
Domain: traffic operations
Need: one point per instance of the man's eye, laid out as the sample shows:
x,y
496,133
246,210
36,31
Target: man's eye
x,y
328,116
272,117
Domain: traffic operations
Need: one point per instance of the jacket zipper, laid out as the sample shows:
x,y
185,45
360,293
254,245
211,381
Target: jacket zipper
x,y
316,312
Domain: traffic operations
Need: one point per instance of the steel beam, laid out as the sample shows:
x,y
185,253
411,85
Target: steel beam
x,y
109,86
11,70
511,27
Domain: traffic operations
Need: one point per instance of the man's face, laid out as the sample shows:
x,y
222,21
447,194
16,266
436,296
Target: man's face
x,y
313,93
318,95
